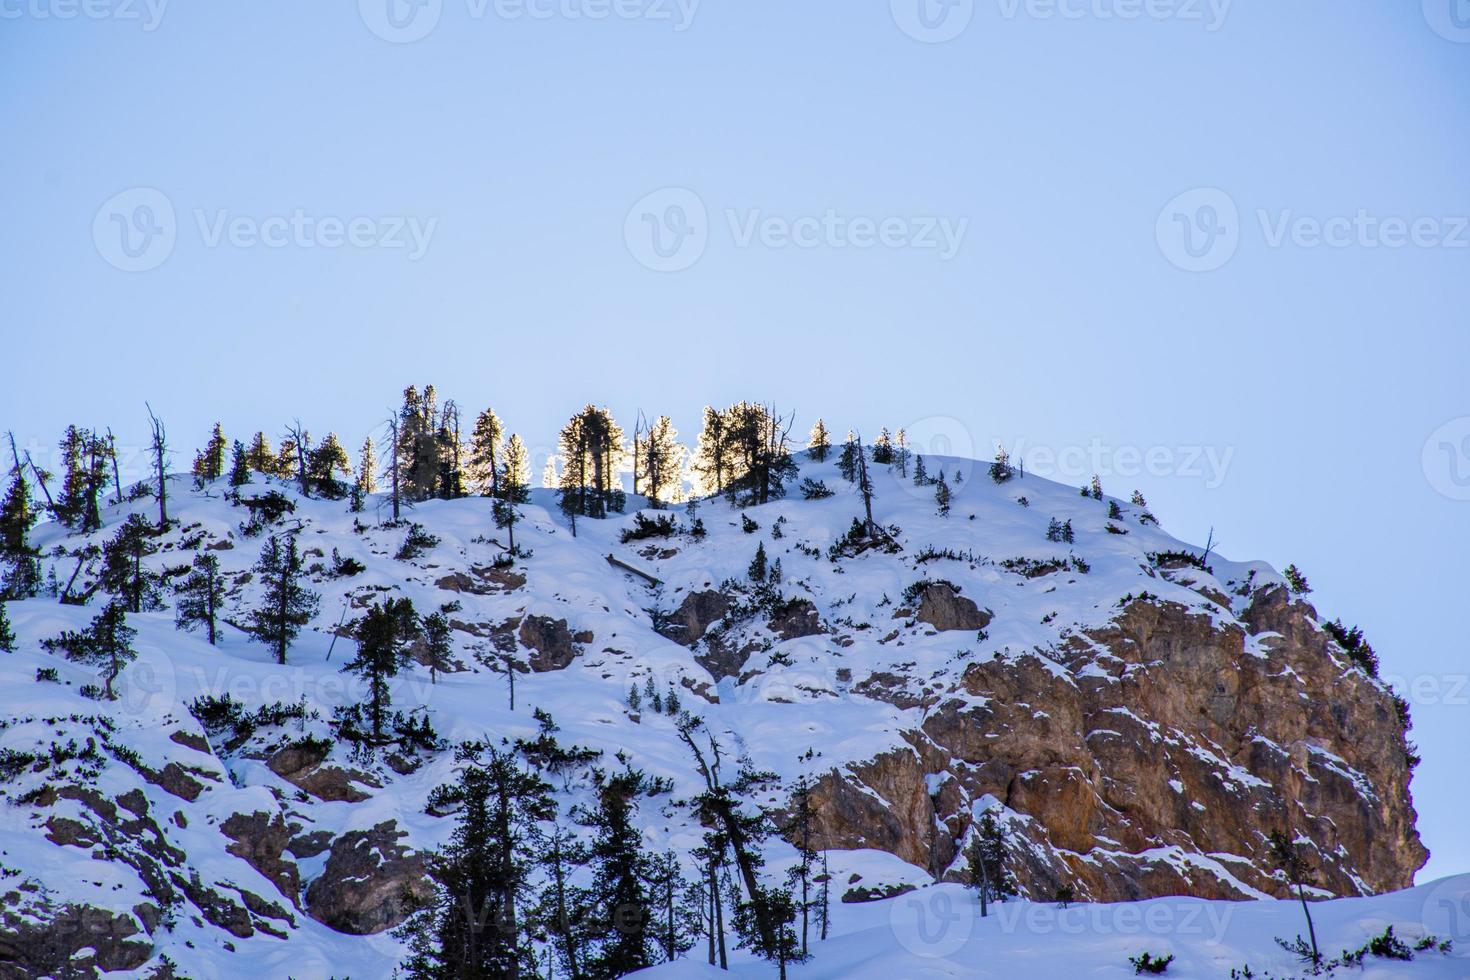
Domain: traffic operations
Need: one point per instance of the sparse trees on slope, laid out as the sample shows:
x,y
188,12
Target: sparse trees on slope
x,y
106,643
198,599
288,603
472,927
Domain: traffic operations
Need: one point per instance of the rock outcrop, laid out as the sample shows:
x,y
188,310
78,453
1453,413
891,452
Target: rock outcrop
x,y
369,883
1152,756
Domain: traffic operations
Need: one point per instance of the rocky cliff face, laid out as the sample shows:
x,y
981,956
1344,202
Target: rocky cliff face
x,y
1152,756
1139,718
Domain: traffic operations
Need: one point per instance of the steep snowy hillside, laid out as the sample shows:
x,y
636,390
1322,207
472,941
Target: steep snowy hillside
x,y
1139,717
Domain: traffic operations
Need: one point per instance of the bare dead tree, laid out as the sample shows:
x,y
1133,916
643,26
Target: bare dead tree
x,y
116,476
160,457
299,437
393,464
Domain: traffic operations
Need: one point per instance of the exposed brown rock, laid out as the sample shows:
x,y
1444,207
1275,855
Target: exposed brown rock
x,y
369,882
945,609
1160,730
551,641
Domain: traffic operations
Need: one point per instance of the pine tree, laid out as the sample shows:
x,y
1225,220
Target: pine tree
x,y
84,461
440,648
671,912
383,636
921,476
819,442
260,457
757,570
562,910
209,463
620,940
485,453
325,464
419,447
883,447
288,604
1296,581
1001,470
662,458
367,467
239,465
515,472
901,453
19,562
106,643
7,635
941,496
847,462
987,855
472,926
449,447
1095,491
592,451
198,599
801,878
124,575
635,700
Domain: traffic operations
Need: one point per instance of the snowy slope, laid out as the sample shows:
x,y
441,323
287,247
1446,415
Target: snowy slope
x,y
791,709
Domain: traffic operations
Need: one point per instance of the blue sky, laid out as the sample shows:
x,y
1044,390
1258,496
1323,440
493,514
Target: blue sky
x,y
1217,251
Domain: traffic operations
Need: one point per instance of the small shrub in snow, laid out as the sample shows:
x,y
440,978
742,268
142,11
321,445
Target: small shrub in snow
x,y
1148,963
815,489
417,542
643,528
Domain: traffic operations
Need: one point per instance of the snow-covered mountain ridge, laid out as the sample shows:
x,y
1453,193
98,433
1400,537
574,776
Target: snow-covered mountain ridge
x,y
1138,722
